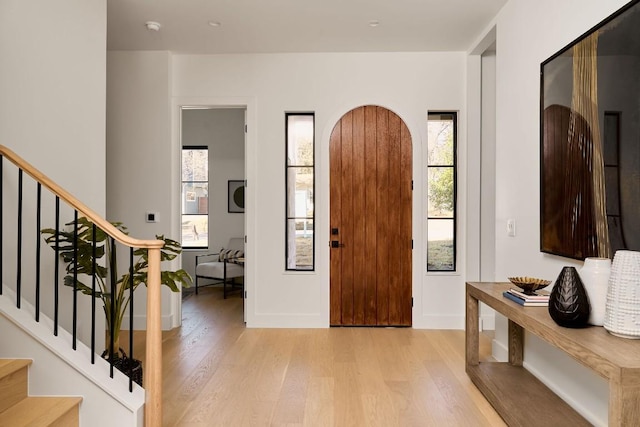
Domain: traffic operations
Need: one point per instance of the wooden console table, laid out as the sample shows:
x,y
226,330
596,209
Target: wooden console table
x,y
519,397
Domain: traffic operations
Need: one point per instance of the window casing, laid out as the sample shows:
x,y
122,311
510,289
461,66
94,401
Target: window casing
x,y
300,191
441,191
195,197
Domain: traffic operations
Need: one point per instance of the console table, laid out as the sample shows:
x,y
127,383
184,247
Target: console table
x,y
509,387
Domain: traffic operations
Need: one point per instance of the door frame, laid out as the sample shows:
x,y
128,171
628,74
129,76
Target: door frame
x,y
249,104
418,132
480,155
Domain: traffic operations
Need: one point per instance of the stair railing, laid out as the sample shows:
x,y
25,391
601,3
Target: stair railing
x,y
153,357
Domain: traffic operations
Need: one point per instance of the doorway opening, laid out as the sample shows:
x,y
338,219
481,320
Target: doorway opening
x,y
212,167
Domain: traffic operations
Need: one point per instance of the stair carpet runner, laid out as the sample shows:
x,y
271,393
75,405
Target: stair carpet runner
x,y
18,409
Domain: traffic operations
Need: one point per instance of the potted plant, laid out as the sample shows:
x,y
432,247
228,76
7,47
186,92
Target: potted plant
x,y
106,272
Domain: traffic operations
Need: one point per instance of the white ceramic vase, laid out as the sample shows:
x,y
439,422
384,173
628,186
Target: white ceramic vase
x,y
595,278
622,312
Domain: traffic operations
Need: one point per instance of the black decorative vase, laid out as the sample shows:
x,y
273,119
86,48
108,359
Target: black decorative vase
x,y
568,302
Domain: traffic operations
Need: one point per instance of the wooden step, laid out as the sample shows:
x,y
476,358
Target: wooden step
x,y
43,412
17,409
13,381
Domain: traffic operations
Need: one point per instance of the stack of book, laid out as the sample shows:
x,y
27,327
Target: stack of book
x,y
537,299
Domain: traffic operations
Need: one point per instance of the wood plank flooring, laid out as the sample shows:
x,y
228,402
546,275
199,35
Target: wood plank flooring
x,y
218,373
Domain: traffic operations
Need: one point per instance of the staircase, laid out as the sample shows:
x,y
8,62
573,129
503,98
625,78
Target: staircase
x,y
18,409
57,206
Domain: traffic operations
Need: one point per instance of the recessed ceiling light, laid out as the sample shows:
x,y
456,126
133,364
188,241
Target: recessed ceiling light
x,y
215,23
374,23
153,25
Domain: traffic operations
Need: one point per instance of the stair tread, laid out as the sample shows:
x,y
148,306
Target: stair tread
x,y
9,366
36,411
14,378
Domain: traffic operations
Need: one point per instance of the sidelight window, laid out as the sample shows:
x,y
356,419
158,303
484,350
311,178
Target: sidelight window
x,y
441,191
300,188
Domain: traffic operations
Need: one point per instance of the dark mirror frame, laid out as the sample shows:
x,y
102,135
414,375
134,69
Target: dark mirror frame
x,y
590,141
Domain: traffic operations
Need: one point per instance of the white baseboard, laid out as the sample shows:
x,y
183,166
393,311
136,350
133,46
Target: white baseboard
x,y
487,322
296,320
499,351
439,322
576,404
318,321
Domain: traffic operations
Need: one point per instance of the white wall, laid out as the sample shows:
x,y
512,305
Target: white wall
x,y
138,140
268,86
330,85
52,82
222,130
52,107
141,161
528,33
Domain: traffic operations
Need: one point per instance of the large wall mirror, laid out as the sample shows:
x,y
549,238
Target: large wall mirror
x,y
590,141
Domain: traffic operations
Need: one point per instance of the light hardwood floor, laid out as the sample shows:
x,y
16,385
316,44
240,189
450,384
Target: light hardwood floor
x,y
218,373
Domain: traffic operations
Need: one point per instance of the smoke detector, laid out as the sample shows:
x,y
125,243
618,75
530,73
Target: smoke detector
x,y
153,25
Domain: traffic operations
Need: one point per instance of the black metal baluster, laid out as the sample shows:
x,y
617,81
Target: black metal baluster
x,y
56,278
38,227
112,273
93,297
75,279
130,319
19,254
1,220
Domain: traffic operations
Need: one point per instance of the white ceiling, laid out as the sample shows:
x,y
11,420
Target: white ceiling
x,y
267,26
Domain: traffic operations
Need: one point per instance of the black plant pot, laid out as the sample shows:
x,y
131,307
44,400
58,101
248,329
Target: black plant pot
x,y
568,302
128,366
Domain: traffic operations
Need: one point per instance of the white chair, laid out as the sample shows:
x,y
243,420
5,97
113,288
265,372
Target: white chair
x,y
224,265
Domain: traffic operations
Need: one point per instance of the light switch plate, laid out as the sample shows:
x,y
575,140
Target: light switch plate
x,y
151,217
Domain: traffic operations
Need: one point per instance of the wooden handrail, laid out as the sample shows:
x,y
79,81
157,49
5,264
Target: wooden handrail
x,y
153,368
102,223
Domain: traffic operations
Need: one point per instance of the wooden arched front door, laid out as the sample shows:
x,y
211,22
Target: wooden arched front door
x,y
370,205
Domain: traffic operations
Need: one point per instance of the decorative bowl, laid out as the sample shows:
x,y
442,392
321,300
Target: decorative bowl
x,y
529,284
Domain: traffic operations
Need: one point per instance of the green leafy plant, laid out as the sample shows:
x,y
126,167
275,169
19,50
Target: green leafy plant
x,y
106,271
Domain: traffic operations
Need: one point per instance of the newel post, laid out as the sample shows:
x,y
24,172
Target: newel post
x,y
153,374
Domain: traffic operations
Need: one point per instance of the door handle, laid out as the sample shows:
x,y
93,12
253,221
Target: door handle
x,y
336,244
